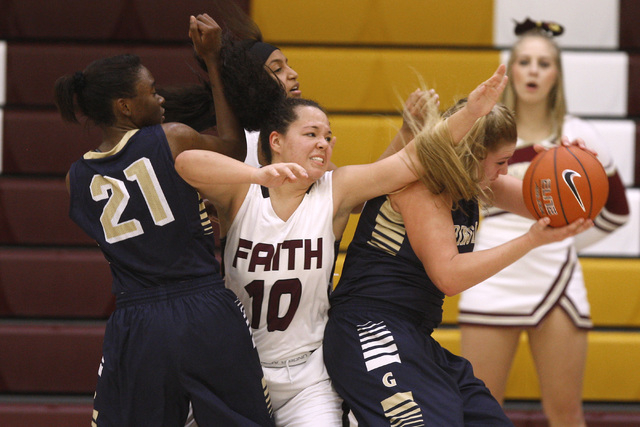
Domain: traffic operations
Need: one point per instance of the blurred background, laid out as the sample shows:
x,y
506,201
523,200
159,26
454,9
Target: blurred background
x,y
360,59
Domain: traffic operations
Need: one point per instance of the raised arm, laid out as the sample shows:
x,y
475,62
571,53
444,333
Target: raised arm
x,y
480,101
417,110
206,36
419,107
356,184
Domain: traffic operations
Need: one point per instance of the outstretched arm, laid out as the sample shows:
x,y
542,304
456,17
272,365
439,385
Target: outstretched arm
x,y
225,181
357,184
419,105
215,174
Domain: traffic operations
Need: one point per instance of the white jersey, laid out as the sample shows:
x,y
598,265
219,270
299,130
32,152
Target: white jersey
x,y
281,271
253,142
524,292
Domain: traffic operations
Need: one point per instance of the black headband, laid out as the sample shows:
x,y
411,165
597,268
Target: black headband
x,y
261,51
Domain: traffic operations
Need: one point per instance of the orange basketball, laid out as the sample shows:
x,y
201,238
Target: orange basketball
x,y
565,183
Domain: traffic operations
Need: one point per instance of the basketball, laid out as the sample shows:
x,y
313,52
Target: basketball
x,y
565,184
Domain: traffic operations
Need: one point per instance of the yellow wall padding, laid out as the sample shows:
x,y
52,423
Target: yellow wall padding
x,y
362,139
611,373
613,288
379,80
400,22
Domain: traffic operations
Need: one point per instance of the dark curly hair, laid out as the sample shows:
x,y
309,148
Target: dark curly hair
x,y
251,91
249,88
193,104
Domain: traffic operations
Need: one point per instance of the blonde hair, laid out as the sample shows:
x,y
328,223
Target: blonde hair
x,y
456,170
557,103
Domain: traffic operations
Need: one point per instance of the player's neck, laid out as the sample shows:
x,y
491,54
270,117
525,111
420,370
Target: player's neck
x,y
111,136
286,199
534,123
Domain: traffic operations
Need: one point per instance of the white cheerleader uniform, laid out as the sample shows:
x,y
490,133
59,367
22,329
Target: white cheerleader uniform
x,y
281,271
525,292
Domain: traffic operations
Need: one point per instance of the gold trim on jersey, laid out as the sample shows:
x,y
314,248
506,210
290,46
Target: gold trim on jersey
x,y
205,219
401,410
119,146
389,232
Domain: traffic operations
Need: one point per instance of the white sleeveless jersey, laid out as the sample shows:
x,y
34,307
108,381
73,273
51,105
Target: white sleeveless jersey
x,y
253,144
281,270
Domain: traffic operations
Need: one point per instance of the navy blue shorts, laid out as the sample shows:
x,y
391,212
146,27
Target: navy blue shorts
x,y
164,348
390,371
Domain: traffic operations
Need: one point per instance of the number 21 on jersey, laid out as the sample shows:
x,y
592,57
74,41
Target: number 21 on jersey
x,y
141,171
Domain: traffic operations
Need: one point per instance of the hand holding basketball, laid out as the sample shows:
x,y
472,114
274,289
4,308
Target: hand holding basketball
x,y
578,142
540,234
565,184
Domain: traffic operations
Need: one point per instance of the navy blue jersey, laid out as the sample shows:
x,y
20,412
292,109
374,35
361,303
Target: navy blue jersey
x,y
381,267
150,224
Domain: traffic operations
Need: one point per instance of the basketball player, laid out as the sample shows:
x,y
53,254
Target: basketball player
x,y
410,249
282,223
177,334
193,104
542,294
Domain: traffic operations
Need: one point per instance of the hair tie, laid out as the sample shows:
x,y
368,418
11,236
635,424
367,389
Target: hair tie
x,y
79,81
551,29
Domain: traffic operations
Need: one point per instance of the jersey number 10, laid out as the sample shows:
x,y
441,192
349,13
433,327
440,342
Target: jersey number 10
x,y
275,322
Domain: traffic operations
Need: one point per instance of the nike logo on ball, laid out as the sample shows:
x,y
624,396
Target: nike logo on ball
x,y
568,175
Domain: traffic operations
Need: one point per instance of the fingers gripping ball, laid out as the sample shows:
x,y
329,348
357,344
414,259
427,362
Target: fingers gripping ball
x,y
565,183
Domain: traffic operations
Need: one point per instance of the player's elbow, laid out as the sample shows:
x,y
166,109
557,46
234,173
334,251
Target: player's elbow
x,y
446,285
180,163
183,165
442,272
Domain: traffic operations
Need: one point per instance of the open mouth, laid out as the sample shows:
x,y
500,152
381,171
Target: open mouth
x,y
295,89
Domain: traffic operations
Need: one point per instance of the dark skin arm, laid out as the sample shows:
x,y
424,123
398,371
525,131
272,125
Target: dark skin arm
x,y
206,36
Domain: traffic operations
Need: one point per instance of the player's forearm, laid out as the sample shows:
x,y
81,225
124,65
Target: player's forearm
x,y
468,269
507,195
228,126
460,123
398,142
204,168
